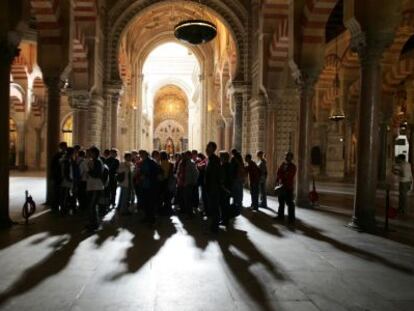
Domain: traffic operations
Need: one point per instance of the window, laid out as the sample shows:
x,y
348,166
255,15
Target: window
x,y
67,130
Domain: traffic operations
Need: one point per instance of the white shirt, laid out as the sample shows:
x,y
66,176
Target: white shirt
x,y
404,173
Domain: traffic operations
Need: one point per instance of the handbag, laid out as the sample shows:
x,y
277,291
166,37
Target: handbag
x,y
278,190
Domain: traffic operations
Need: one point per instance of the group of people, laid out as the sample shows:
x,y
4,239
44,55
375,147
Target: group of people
x,y
160,184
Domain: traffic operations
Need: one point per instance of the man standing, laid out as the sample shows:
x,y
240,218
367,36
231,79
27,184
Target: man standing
x,y
262,164
56,177
148,175
254,180
213,184
94,186
286,177
405,176
113,165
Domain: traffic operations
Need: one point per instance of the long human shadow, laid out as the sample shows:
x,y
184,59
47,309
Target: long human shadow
x,y
62,251
198,230
317,234
263,222
240,266
144,245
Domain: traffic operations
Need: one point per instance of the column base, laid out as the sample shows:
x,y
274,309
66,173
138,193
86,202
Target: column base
x,y
6,223
303,202
362,226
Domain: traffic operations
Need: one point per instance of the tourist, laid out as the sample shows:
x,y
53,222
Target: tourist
x,y
67,185
166,184
190,183
83,173
254,180
56,177
286,178
113,164
238,175
94,186
124,178
148,175
213,184
405,178
262,164
226,183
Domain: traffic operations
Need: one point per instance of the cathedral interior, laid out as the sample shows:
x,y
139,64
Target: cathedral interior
x,y
331,81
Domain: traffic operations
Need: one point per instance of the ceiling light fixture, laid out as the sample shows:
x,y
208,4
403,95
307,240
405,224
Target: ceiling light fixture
x,y
195,31
337,113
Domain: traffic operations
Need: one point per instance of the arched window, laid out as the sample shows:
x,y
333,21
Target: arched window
x,y
67,130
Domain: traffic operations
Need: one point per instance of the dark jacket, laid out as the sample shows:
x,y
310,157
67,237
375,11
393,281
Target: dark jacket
x,y
213,175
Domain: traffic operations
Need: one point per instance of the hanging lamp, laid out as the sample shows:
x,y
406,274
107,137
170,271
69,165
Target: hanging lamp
x,y
195,31
337,114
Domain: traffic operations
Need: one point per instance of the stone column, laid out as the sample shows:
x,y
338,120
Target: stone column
x,y
228,133
305,126
52,83
21,146
237,120
112,96
38,151
370,52
80,103
8,50
95,120
348,146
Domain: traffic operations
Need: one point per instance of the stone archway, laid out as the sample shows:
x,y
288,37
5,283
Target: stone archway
x,y
231,13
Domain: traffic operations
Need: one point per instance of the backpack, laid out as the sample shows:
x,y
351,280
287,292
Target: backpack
x,y
105,175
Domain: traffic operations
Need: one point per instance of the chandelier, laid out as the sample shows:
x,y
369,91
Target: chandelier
x,y
195,31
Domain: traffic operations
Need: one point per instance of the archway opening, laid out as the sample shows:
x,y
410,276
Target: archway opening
x,y
171,94
67,130
151,58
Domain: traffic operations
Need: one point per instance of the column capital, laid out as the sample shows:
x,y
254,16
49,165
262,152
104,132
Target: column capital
x,y
79,99
113,87
370,47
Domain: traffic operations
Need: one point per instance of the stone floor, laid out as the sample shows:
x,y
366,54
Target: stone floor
x,y
177,265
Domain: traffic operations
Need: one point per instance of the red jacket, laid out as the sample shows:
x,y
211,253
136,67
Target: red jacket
x,y
286,175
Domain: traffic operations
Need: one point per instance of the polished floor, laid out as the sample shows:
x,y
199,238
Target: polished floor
x,y
258,264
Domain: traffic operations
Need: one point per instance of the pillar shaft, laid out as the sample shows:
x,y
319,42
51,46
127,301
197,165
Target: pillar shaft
x,y
305,121
7,54
21,147
348,148
383,146
368,138
114,120
238,121
53,128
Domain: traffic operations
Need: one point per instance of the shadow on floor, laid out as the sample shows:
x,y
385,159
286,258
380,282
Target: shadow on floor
x,y
146,242
317,234
61,251
241,266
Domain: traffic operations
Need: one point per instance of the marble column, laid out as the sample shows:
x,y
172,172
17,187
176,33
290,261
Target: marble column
x,y
21,147
305,125
53,127
95,120
349,125
238,121
228,133
370,52
114,120
8,51
80,103
411,142
38,151
382,162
